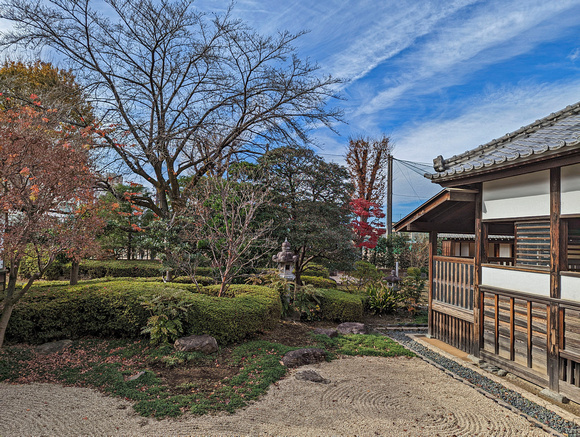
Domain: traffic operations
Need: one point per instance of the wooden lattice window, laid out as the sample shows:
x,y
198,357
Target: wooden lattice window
x,y
573,245
533,244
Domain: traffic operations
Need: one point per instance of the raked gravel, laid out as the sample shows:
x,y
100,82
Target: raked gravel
x,y
366,396
512,398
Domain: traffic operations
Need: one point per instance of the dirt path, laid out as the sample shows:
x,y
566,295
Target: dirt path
x,y
367,396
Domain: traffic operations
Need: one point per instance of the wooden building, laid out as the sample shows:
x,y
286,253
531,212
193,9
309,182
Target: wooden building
x,y
521,314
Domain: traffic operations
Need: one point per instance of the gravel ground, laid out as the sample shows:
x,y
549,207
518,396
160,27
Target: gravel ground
x,y
367,396
511,397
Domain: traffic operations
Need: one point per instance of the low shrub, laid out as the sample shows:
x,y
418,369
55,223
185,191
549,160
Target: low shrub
x,y
201,280
339,306
383,299
119,268
414,271
316,270
318,281
114,309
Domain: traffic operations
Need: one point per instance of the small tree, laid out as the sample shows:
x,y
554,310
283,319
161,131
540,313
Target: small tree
x,y
309,205
46,198
219,223
366,225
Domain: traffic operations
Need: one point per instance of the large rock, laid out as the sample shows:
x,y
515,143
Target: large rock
x,y
197,343
301,357
351,328
326,331
311,375
54,346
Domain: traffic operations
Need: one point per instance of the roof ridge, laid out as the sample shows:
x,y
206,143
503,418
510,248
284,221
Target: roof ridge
x,y
554,116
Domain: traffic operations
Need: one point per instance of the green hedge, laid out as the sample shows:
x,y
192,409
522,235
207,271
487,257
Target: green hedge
x,y
316,270
318,282
113,309
339,306
119,268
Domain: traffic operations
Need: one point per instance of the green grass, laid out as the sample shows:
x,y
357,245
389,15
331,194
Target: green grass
x,y
363,345
106,364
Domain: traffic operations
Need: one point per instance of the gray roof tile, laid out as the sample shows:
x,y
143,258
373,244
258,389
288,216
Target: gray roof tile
x,y
552,134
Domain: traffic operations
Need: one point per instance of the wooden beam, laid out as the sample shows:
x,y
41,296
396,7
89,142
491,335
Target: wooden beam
x,y
433,205
554,316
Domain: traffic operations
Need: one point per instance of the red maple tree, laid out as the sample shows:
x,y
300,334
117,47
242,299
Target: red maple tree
x,y
366,225
47,201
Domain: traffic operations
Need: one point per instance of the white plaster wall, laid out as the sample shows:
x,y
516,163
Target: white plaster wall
x,y
526,195
571,189
570,288
526,282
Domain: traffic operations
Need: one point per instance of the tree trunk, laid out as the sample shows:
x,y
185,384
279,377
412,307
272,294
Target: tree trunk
x,y
74,272
6,312
8,303
129,247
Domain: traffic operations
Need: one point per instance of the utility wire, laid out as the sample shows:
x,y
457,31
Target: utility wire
x,y
409,182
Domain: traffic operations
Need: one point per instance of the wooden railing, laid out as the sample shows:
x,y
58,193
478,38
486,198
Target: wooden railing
x,y
515,331
452,302
453,281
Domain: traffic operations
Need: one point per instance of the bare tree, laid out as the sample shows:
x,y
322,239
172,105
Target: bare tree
x,y
179,92
221,218
366,159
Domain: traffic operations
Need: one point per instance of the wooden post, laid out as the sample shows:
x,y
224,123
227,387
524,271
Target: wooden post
x,y
553,319
479,256
432,253
389,194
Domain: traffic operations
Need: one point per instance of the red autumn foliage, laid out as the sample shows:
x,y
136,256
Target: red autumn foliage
x,y
47,201
367,224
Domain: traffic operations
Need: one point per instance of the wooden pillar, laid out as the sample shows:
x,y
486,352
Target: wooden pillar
x,y
480,256
432,253
553,317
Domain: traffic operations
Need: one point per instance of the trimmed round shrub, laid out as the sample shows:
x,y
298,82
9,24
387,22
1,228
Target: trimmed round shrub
x,y
318,282
113,309
316,270
339,306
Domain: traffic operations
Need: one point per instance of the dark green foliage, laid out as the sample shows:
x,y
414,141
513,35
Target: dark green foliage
x,y
120,269
340,306
201,280
319,270
164,325
411,288
93,269
318,282
113,309
414,271
383,299
364,273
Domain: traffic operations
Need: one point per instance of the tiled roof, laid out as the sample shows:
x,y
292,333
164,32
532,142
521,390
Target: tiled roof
x,y
557,132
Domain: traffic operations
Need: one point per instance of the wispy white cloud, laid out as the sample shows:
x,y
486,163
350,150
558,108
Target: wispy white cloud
x,y
483,118
465,45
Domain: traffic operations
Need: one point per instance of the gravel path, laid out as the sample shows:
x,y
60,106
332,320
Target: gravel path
x,y
367,396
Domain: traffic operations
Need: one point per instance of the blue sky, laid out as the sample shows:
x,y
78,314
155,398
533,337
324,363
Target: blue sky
x,y
438,77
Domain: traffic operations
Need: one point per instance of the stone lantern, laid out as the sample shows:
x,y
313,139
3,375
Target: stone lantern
x,y
393,280
286,260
